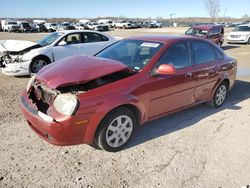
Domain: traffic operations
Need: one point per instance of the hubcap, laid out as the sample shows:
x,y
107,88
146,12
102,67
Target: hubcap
x,y
119,131
221,95
38,65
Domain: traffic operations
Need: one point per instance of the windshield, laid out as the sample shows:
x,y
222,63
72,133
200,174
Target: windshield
x,y
242,28
133,53
49,39
197,32
54,24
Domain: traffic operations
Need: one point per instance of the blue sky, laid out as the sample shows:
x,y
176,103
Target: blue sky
x,y
128,8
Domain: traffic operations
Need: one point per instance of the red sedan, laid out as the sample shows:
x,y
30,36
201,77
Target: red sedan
x,y
102,99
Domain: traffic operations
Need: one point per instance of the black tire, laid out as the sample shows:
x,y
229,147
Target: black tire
x,y
248,41
219,96
110,128
35,67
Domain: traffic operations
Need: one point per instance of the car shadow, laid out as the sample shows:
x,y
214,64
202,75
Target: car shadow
x,y
228,47
188,117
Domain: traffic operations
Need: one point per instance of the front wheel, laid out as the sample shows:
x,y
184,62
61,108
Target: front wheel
x,y
219,96
116,129
37,64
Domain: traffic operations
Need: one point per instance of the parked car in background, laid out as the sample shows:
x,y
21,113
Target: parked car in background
x,y
151,24
80,26
24,26
102,99
241,34
40,27
97,27
10,26
105,22
65,26
134,25
214,33
51,27
25,57
122,24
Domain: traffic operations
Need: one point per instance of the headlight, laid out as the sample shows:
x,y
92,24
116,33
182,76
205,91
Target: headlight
x,y
66,104
30,83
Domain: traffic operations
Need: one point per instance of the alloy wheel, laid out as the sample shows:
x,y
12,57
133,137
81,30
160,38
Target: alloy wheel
x,y
220,95
119,131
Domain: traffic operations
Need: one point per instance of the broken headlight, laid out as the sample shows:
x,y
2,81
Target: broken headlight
x,y
66,104
30,83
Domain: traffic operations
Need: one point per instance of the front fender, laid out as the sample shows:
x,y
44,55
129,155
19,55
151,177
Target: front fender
x,y
106,107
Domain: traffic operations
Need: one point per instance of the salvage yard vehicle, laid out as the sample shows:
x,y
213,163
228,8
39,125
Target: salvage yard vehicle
x,y
122,24
51,26
81,26
102,99
10,26
65,26
39,27
24,26
96,26
212,32
241,34
20,58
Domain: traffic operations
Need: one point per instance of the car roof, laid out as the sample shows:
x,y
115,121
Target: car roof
x,y
164,38
206,26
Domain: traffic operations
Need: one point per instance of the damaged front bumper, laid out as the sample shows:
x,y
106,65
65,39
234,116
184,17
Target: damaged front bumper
x,y
16,68
63,131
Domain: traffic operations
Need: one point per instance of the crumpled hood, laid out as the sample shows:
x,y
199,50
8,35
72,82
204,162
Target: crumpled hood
x,y
77,70
15,45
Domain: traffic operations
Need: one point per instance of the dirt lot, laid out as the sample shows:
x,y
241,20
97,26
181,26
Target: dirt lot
x,y
198,147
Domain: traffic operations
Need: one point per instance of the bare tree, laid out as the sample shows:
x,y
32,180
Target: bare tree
x,y
213,8
245,16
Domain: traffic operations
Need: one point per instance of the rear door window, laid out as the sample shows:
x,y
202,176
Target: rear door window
x,y
202,52
93,37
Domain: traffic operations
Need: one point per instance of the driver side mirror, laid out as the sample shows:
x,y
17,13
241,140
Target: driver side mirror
x,y
62,43
165,69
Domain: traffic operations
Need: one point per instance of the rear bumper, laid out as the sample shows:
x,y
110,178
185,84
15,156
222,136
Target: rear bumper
x,y
61,133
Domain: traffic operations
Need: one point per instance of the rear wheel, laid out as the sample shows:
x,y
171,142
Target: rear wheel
x,y
116,129
248,41
37,64
219,96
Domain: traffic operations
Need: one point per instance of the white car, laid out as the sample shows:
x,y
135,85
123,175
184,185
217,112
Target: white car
x,y
80,26
241,34
122,24
19,58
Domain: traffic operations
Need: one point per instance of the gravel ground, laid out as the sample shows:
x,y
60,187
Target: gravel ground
x,y
198,147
